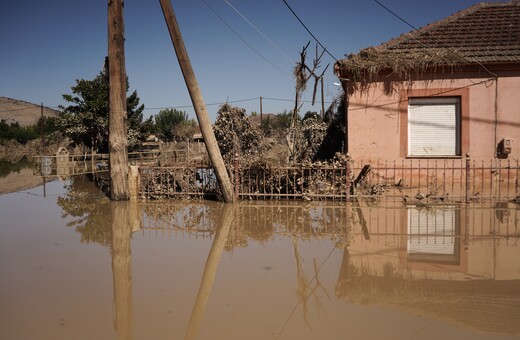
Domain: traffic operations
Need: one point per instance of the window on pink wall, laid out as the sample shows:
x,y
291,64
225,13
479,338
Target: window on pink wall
x,y
434,127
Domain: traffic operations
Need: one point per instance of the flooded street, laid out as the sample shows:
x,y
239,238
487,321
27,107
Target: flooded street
x,y
76,266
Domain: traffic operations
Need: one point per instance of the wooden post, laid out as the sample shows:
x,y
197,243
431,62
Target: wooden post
x,y
117,135
198,102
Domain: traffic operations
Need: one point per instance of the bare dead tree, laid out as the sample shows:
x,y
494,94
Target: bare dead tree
x,y
302,74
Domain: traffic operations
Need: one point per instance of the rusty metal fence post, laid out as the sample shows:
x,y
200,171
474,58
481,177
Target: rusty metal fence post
x,y
347,181
467,178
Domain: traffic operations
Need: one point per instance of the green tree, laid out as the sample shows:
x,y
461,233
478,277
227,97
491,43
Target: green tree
x,y
173,125
277,125
21,134
85,120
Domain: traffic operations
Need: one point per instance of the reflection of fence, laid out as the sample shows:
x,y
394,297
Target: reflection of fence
x,y
424,230
412,180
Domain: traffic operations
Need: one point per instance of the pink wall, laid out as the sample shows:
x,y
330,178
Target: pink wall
x,y
378,121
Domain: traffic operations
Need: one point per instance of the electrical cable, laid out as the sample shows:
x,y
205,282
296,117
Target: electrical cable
x,y
244,41
260,32
312,35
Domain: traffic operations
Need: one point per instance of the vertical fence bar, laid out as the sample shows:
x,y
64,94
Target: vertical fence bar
x,y
411,178
516,179
499,178
419,167
482,186
347,179
467,177
428,177
508,176
474,177
491,194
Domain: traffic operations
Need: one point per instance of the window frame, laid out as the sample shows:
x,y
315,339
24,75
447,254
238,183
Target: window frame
x,y
406,95
423,102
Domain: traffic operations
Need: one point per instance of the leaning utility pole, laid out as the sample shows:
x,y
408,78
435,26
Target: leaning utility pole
x,y
117,135
198,102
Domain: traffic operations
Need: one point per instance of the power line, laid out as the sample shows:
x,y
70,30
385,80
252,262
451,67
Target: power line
x,y
244,41
260,32
401,100
312,35
191,106
232,102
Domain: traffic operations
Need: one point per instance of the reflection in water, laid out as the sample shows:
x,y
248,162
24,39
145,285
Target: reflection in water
x,y
122,227
438,261
110,224
449,263
210,270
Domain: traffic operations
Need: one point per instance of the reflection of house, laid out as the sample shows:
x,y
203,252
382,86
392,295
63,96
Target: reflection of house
x,y
443,91
442,262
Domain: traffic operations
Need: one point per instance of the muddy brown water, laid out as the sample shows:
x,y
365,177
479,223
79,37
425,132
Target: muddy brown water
x,y
74,265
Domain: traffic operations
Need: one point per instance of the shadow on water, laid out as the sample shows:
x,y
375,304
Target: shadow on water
x,y
453,263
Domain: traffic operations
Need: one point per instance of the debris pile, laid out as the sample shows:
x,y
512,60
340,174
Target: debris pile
x,y
308,180
235,134
182,182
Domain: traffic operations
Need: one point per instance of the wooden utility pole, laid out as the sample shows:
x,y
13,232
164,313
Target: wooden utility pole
x,y
198,102
117,135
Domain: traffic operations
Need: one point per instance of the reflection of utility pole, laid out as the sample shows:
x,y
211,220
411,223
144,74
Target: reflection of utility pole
x,y
210,271
362,221
198,102
343,278
122,268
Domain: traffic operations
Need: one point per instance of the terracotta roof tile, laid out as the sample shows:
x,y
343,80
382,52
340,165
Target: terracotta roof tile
x,y
485,33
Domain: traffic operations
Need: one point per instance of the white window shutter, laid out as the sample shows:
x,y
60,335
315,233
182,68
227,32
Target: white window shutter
x,y
434,127
431,231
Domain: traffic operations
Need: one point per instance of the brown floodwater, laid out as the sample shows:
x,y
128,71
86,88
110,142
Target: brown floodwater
x,y
74,265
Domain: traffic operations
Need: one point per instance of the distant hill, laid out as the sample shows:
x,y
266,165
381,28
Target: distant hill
x,y
25,113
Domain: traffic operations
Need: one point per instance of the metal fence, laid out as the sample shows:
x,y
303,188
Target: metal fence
x,y
460,180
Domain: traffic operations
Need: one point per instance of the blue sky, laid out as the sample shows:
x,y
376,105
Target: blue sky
x,y
47,45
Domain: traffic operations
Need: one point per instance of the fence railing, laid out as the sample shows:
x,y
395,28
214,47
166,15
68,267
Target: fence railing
x,y
462,180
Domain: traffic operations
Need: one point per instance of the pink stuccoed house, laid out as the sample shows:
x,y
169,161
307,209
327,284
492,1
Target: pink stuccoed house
x,y
446,91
